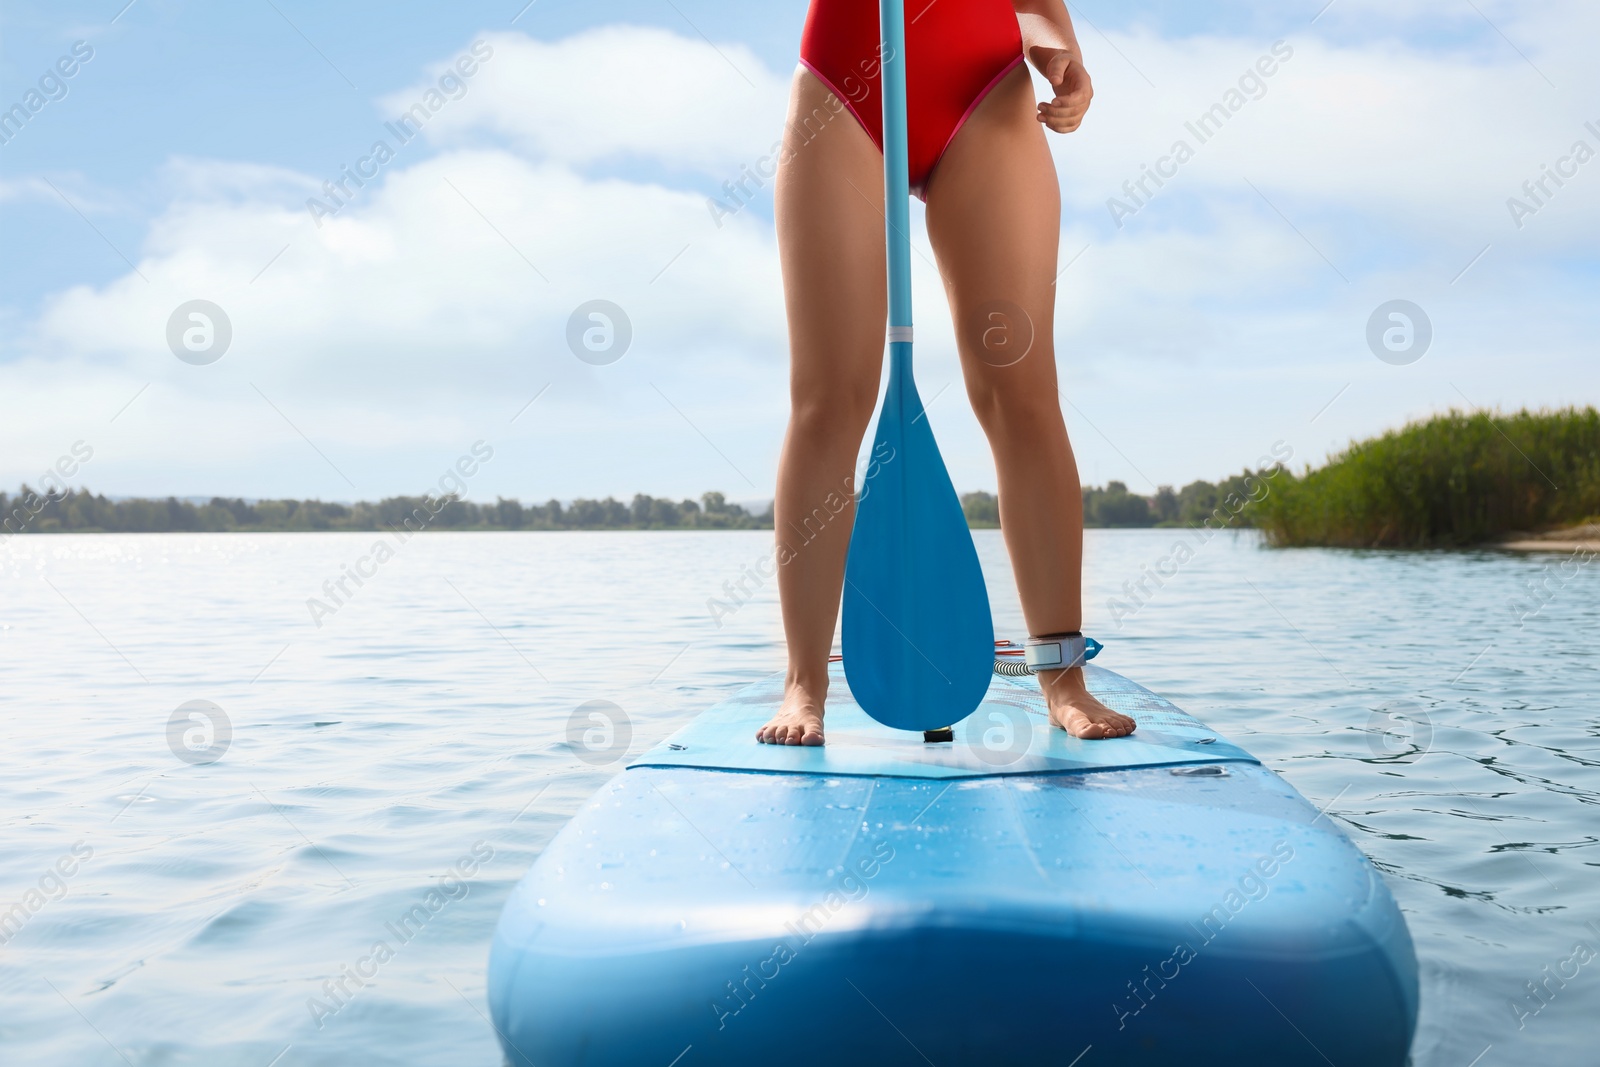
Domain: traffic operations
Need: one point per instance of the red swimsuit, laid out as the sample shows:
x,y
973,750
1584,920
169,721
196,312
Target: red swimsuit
x,y
956,51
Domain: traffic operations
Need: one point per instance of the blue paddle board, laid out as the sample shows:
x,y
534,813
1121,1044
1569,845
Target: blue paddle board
x,y
1010,896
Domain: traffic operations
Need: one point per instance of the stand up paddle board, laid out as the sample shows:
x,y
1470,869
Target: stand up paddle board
x,y
1009,896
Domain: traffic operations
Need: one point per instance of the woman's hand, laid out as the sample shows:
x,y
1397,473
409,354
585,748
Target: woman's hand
x,y
1064,71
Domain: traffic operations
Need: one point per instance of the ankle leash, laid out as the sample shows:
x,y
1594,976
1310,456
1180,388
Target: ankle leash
x,y
1054,652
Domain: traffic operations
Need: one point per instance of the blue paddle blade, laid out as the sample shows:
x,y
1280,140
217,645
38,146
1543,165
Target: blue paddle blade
x,y
918,637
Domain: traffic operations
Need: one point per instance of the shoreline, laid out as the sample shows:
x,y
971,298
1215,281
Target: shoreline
x,y
1573,539
1549,546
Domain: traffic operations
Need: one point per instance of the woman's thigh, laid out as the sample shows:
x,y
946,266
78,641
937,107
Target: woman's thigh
x,y
994,218
829,211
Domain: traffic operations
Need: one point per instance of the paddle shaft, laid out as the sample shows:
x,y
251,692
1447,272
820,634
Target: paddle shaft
x,y
896,183
918,637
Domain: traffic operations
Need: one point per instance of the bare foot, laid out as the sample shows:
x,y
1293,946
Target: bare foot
x,y
799,718
1074,710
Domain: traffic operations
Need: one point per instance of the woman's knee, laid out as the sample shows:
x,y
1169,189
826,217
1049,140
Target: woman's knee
x,y
833,412
1015,411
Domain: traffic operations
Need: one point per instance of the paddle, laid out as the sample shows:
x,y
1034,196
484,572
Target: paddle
x,y
918,638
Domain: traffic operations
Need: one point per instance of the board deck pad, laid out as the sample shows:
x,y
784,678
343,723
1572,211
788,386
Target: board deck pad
x,y
1009,733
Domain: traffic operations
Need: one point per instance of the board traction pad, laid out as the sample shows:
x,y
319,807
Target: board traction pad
x,y
1009,734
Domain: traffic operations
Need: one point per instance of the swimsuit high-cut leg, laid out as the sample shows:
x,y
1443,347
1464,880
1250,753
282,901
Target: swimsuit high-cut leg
x,y
956,51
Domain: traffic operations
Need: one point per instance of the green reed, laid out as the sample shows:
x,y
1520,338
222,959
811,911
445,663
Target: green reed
x,y
1454,479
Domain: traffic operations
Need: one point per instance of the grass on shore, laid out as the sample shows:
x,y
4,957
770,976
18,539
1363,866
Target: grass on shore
x,y
1451,480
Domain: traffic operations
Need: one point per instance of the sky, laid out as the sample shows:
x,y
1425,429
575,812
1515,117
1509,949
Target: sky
x,y
357,347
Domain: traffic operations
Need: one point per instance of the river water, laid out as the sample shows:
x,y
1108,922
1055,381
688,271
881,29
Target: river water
x,y
216,798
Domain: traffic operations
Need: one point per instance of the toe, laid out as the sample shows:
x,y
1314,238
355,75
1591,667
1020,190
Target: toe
x,y
812,734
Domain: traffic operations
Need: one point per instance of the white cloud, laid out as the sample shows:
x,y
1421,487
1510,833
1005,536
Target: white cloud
x,y
26,187
414,298
1426,144
615,93
471,250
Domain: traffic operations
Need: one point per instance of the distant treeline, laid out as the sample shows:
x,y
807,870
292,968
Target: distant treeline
x,y
1455,479
1114,507
82,511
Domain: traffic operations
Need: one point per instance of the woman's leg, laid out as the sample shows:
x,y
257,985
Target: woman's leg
x,y
829,207
994,213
